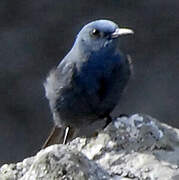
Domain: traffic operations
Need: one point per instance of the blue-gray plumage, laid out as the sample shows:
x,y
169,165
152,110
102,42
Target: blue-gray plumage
x,y
87,84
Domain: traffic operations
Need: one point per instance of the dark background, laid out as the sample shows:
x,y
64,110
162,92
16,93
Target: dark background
x,y
35,35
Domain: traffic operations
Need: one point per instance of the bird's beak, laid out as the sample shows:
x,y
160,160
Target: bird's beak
x,y
121,31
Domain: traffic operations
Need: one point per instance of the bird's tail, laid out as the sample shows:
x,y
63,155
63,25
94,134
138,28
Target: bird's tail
x,y
59,135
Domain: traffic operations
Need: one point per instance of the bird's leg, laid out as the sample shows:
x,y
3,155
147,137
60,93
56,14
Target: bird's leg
x,y
69,134
59,135
66,134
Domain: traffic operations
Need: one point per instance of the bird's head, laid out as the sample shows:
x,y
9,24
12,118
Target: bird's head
x,y
100,35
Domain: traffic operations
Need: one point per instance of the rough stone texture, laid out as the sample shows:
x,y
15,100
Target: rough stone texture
x,y
55,162
138,147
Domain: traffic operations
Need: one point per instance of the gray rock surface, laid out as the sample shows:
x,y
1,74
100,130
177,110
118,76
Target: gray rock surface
x,y
138,147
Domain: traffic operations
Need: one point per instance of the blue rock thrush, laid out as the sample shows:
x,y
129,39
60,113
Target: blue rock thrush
x,y
87,84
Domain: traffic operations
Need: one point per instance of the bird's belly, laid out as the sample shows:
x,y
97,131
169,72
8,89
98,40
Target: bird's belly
x,y
74,108
80,101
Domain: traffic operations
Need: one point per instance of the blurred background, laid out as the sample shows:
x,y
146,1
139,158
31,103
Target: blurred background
x,y
36,35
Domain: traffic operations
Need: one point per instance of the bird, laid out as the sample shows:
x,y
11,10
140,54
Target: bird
x,y
88,82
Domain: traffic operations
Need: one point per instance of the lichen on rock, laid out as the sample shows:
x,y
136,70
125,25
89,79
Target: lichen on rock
x,y
135,147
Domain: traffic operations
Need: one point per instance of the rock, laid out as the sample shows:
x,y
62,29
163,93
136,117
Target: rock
x,y
54,162
137,147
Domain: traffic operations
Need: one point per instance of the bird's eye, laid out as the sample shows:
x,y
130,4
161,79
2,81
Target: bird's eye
x,y
95,32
